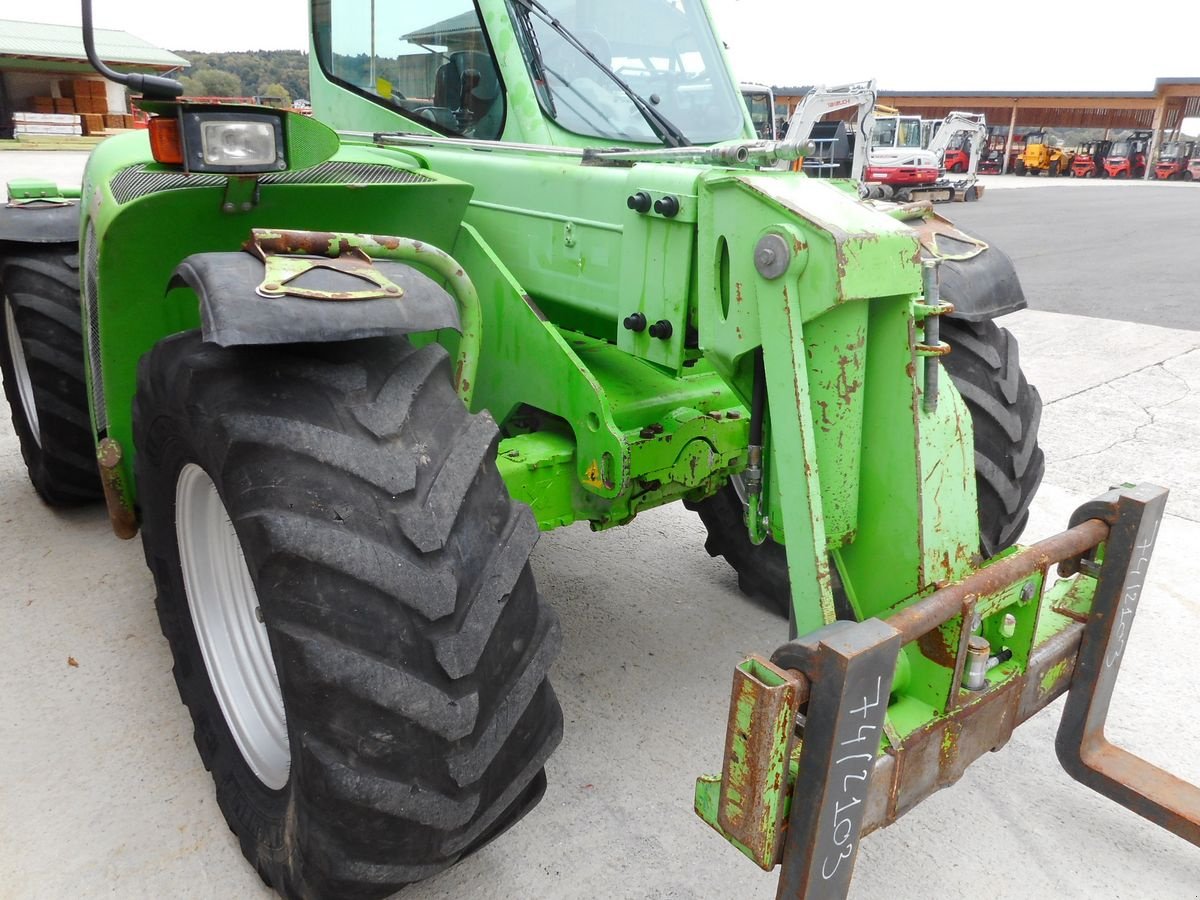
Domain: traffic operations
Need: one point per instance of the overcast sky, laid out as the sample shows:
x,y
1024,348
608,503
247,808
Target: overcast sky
x,y
981,46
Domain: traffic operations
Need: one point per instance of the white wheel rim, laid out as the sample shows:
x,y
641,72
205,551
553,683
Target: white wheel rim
x,y
233,642
16,353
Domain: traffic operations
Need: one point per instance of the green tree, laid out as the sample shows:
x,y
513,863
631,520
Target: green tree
x,y
212,83
275,89
257,69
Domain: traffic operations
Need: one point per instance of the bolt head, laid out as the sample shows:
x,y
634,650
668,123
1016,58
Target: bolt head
x,y
771,256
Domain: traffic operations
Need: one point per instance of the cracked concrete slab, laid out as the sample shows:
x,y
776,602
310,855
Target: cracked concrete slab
x,y
1121,402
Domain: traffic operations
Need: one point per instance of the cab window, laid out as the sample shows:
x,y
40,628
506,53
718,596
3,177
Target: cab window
x,y
429,62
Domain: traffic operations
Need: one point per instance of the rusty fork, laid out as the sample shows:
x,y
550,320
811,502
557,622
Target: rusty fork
x,y
831,689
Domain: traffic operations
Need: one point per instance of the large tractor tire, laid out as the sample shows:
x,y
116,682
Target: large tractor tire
x,y
41,356
1005,413
344,583
1019,167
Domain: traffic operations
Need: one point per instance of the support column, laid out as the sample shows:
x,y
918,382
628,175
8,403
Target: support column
x,y
1012,126
1155,138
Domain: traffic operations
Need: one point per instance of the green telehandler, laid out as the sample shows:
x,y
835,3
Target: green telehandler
x,y
529,265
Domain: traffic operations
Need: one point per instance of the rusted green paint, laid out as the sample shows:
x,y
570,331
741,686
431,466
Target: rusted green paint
x,y
1052,676
752,792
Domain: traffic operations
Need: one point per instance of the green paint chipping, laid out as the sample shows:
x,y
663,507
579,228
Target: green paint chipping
x,y
949,742
1052,676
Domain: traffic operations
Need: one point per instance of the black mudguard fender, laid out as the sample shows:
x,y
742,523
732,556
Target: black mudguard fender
x,y
982,287
40,223
976,276
232,313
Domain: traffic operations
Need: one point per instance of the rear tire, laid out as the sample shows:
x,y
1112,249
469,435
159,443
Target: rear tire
x,y
1005,413
410,715
41,356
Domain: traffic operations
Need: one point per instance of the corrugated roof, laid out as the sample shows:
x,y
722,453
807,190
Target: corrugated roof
x,y
40,40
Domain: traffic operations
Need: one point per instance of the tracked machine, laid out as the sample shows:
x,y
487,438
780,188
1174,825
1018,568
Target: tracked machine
x,y
528,265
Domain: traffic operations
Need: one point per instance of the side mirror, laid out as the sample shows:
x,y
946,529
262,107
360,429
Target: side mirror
x,y
152,87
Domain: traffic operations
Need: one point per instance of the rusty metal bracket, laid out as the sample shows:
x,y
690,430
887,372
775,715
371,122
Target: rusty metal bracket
x,y
850,668
38,202
241,194
280,270
1083,750
315,247
758,749
120,515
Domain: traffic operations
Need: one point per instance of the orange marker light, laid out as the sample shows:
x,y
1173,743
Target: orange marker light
x,y
166,144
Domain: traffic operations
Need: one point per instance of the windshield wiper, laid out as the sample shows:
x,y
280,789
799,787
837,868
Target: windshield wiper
x,y
664,129
539,63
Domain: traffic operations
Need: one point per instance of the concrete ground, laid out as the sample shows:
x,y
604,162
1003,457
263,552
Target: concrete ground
x,y
102,793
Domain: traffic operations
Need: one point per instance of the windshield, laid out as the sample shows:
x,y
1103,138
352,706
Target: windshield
x,y
890,131
1120,148
1035,139
761,111
1172,150
664,49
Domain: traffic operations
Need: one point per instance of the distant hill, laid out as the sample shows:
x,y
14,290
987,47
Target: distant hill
x,y
255,71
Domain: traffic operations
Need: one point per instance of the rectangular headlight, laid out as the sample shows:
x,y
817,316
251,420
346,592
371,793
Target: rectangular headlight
x,y
237,143
234,142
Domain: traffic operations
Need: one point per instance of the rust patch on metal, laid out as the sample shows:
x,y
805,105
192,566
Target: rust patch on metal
x,y
120,516
744,812
935,647
826,424
925,615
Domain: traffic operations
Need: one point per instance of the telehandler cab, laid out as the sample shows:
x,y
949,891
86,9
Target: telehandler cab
x,y
528,265
1040,156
